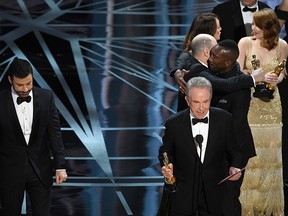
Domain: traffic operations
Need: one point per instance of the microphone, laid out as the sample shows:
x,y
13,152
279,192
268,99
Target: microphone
x,y
199,140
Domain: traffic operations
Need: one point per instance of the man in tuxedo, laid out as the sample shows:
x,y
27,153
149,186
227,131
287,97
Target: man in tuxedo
x,y
29,130
236,17
223,64
199,164
223,61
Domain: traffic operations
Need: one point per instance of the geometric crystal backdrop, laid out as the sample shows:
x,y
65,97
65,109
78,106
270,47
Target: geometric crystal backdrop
x,y
107,63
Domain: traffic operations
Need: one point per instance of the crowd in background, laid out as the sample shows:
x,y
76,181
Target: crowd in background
x,y
247,73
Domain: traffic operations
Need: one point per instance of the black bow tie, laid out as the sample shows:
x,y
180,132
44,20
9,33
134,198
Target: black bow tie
x,y
245,9
195,120
22,99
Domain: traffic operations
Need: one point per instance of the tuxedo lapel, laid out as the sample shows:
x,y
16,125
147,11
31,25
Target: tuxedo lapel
x,y
237,15
187,131
261,5
36,115
12,115
212,133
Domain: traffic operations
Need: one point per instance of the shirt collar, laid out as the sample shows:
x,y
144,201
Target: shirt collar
x,y
203,63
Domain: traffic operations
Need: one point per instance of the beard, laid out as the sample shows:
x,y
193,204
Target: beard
x,y
22,93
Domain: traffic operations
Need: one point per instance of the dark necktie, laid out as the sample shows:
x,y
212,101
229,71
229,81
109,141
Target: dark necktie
x,y
195,120
22,99
245,9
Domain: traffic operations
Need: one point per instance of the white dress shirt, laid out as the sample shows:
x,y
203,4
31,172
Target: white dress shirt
x,y
247,18
25,114
200,128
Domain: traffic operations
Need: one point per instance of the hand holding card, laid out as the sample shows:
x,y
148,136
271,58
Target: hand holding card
x,y
230,176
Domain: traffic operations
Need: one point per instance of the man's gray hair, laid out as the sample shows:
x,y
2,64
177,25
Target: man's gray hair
x,y
198,82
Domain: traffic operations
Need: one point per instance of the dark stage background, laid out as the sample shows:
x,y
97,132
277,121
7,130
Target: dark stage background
x,y
108,65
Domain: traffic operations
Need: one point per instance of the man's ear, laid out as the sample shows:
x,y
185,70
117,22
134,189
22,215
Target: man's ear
x,y
206,52
10,79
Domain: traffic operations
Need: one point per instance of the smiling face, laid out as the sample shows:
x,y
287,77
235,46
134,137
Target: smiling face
x,y
22,86
266,26
217,34
217,61
256,33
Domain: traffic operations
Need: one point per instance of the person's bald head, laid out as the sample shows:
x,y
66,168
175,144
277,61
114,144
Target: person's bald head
x,y
202,43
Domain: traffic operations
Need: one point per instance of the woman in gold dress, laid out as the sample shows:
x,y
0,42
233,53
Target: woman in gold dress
x,y
262,188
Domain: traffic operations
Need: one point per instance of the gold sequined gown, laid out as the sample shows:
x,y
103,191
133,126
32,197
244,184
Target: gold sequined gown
x,y
262,188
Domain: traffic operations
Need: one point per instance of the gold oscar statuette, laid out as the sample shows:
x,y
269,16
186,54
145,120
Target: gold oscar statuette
x,y
170,184
260,89
255,62
172,180
277,70
265,90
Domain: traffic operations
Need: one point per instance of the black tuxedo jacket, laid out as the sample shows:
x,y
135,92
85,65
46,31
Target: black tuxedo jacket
x,y
237,103
231,93
184,61
179,144
231,19
45,137
219,84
